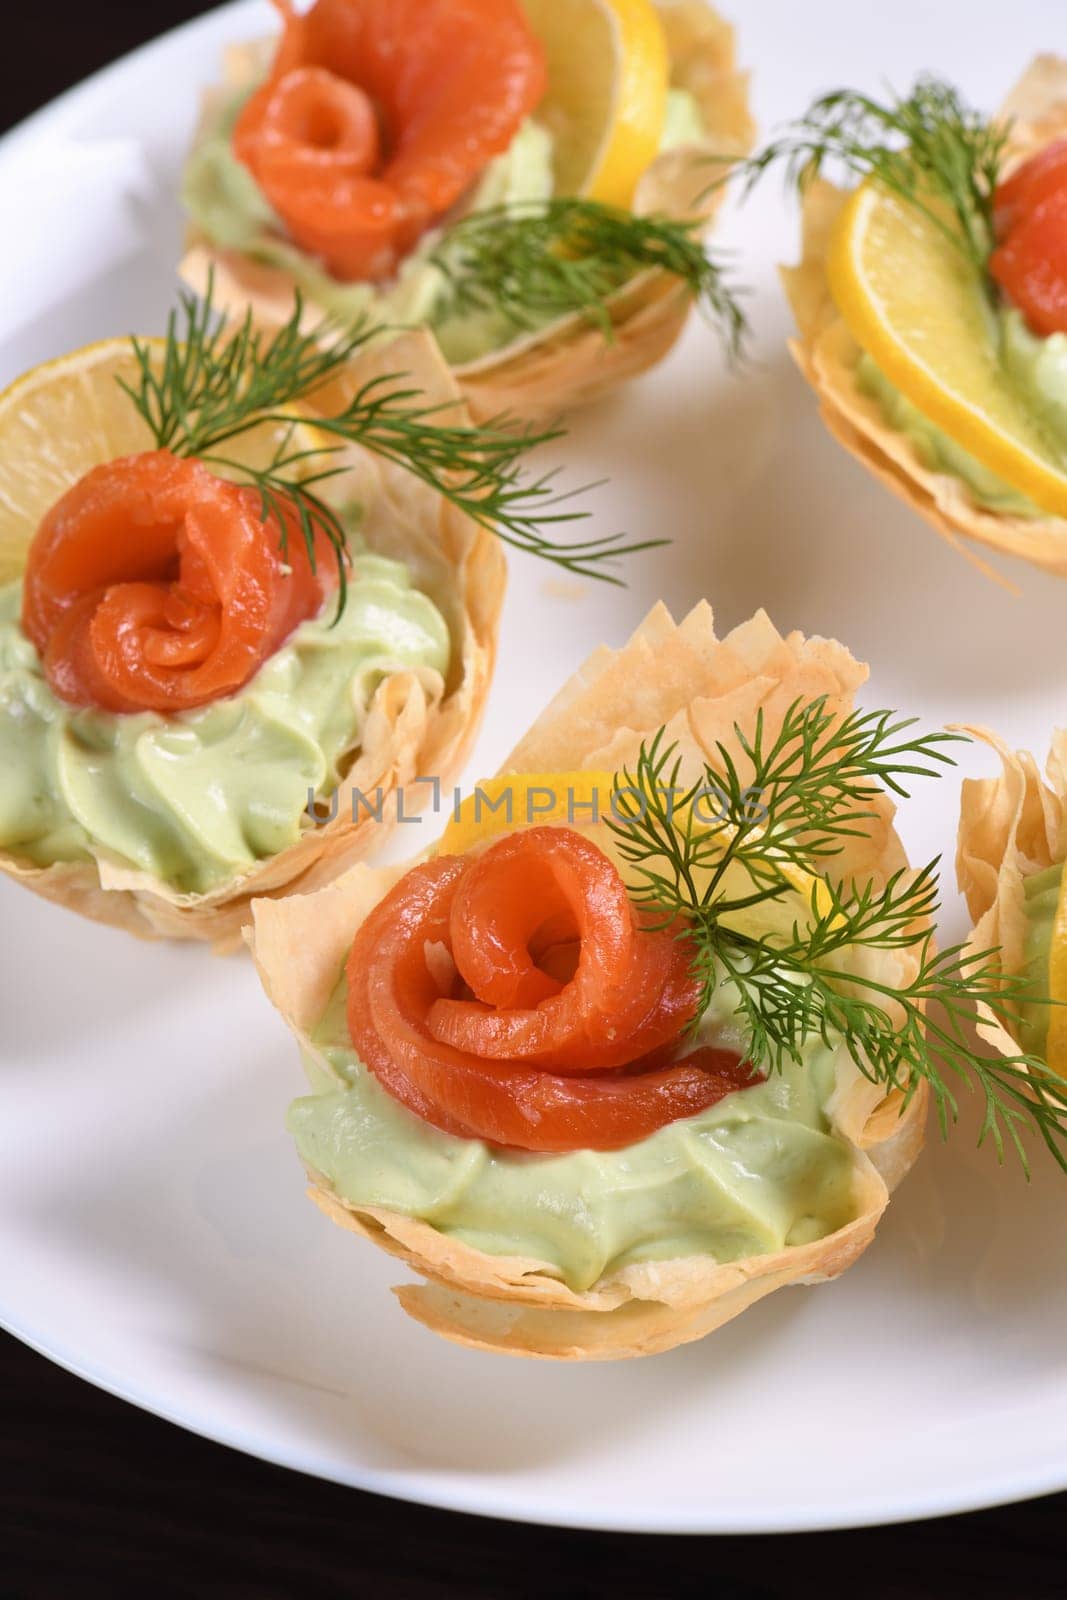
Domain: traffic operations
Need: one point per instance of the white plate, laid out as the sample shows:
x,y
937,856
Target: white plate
x,y
153,1231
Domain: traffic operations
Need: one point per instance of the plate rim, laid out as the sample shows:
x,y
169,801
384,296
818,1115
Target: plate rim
x,y
882,1510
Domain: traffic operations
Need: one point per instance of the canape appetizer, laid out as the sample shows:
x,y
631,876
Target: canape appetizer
x,y
931,301
529,178
1010,861
643,1038
244,579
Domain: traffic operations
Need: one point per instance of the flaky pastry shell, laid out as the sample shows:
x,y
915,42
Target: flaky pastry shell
x,y
683,677
416,723
568,363
826,354
1011,827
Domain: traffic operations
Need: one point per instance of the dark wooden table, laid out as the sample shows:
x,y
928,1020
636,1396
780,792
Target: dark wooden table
x,y
100,1499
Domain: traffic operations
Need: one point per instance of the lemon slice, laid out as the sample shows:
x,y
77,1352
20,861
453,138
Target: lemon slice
x,y
529,799
913,303
1056,1048
583,800
56,423
808,897
608,76
772,919
67,416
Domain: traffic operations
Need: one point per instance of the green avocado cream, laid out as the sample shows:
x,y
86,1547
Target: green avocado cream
x,y
759,1171
229,208
1042,892
198,798
938,451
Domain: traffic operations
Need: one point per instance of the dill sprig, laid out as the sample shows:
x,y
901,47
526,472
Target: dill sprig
x,y
929,148
801,796
539,260
216,382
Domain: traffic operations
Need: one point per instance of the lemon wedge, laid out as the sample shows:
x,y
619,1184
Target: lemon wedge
x,y
583,800
608,76
1056,1048
67,416
913,303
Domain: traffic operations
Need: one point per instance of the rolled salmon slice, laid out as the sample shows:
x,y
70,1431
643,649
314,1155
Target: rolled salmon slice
x,y
154,585
379,114
1030,261
496,1071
